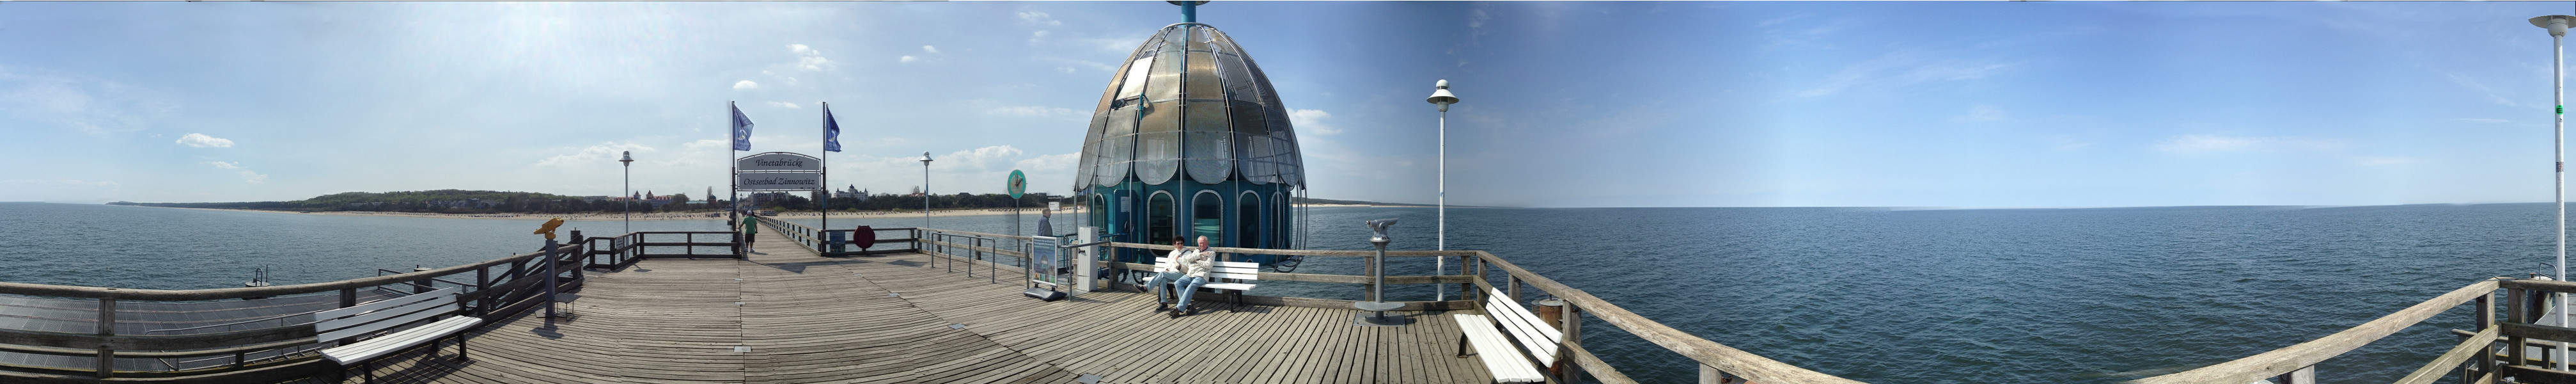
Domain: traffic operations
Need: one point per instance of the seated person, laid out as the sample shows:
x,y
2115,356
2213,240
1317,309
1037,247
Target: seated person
x,y
1165,275
1194,273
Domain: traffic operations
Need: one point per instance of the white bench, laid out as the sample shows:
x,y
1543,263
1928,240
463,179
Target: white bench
x,y
1507,363
353,322
1229,276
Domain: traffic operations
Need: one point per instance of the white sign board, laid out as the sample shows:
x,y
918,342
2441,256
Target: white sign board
x,y
779,162
783,181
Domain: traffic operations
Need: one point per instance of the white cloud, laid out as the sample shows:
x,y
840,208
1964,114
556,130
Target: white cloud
x,y
2220,143
808,58
2487,121
97,107
200,140
745,85
603,155
1033,111
930,49
782,104
2472,84
246,174
1038,18
1064,69
2384,160
907,59
1899,69
1312,120
1039,36
1057,161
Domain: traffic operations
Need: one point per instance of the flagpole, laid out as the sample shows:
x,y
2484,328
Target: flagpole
x,y
733,179
827,168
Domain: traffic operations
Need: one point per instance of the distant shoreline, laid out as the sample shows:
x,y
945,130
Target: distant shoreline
x,y
699,215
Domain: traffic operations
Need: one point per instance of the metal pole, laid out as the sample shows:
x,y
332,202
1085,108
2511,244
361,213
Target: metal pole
x,y
2558,87
1440,265
925,190
629,207
827,179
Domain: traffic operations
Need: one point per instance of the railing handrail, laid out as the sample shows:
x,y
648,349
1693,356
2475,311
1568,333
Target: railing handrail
x,y
1300,252
1751,366
29,289
2302,355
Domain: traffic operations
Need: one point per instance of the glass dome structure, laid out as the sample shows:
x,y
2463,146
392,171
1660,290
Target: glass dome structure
x,y
1190,140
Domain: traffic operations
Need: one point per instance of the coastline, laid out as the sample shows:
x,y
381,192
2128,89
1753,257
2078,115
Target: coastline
x,y
698,215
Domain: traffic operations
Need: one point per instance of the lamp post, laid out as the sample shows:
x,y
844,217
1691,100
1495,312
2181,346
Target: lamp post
x,y
2557,25
626,159
925,190
1440,96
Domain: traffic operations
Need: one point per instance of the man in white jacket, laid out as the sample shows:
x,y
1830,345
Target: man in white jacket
x,y
1195,266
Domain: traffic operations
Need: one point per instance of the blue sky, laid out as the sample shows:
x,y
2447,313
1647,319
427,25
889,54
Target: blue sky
x,y
1946,104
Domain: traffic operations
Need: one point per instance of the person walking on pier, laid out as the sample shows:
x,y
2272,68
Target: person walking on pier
x,y
750,228
1045,228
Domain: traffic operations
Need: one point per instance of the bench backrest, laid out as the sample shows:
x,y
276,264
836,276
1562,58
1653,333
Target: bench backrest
x,y
339,324
1525,327
1235,270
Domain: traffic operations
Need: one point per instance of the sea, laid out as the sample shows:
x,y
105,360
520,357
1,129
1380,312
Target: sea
x,y
1885,295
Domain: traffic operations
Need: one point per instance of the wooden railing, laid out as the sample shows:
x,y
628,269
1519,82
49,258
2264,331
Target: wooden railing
x,y
814,239
2473,359
1717,362
514,287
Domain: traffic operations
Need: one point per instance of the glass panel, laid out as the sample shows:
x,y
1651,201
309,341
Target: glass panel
x,y
1134,78
1207,218
1158,152
1247,221
1118,147
1098,213
1165,81
1238,78
1159,219
1202,81
1211,148
1199,37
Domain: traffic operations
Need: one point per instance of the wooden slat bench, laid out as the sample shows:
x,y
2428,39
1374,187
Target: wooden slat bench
x,y
1229,277
370,318
1488,334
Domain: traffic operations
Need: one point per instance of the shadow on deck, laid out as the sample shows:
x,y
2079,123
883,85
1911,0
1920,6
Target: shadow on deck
x,y
788,315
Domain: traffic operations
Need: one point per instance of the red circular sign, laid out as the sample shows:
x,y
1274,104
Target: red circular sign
x,y
864,237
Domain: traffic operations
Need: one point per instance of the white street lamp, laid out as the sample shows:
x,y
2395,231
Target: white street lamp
x,y
2557,25
627,159
1440,96
925,190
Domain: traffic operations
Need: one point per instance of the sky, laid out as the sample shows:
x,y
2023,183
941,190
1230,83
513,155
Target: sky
x,y
1936,104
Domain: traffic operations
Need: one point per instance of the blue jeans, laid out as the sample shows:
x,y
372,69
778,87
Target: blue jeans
x,y
1187,286
1161,282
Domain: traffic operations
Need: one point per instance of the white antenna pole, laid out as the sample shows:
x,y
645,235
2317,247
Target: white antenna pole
x,y
2557,26
1440,96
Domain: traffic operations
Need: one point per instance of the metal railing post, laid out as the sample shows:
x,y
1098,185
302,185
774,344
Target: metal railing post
x,y
106,327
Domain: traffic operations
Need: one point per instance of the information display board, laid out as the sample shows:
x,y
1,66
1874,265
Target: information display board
x,y
1045,254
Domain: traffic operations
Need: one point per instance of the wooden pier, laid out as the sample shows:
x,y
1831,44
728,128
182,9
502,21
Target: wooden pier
x,y
922,306
788,315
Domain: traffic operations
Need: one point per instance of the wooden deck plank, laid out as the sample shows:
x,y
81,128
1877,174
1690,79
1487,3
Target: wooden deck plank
x,y
811,319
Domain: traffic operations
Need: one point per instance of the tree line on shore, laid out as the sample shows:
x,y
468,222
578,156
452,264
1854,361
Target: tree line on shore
x,y
470,202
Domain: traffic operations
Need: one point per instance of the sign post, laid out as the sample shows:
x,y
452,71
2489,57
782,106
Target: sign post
x,y
777,171
1015,186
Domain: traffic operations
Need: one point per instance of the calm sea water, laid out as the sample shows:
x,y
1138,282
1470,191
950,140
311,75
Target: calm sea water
x,y
1874,294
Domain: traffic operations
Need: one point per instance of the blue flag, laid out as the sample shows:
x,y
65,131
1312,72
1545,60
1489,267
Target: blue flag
x,y
741,130
831,131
